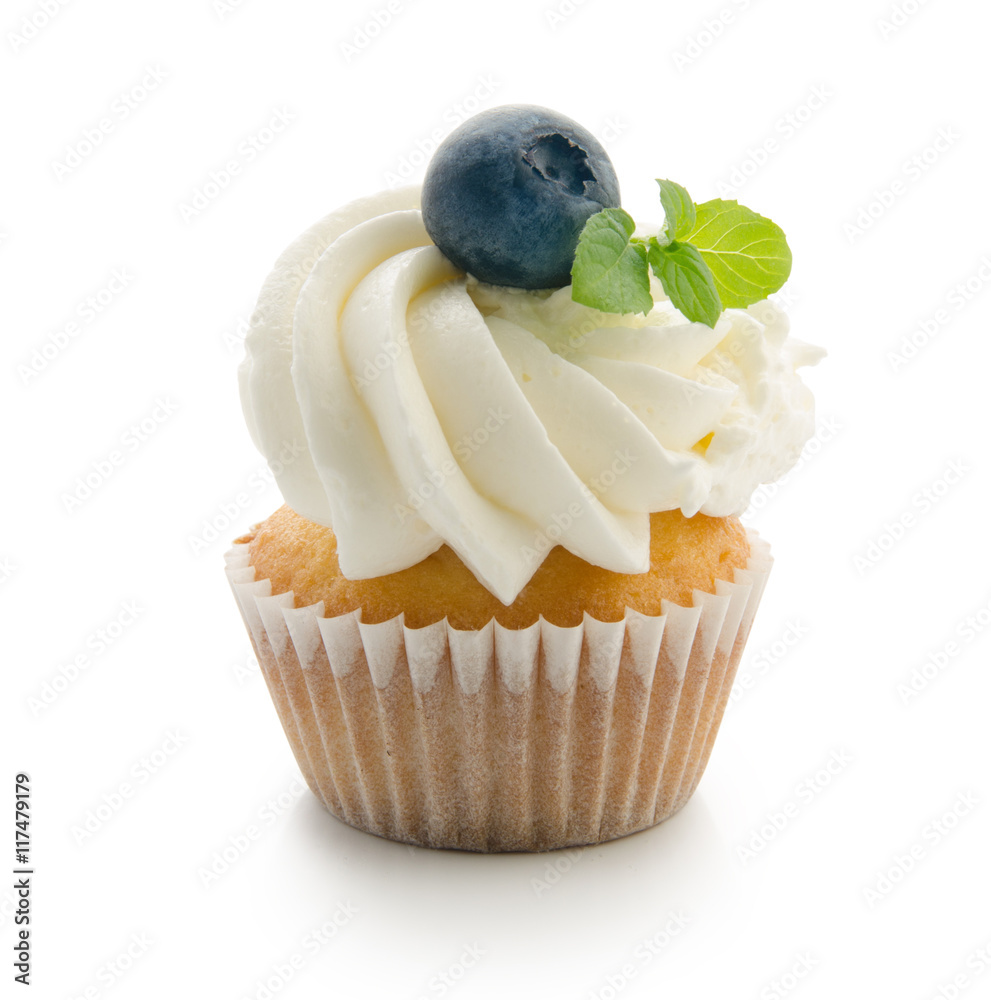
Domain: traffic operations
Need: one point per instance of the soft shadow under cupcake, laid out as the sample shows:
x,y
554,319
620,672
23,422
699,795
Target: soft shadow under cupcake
x,y
528,899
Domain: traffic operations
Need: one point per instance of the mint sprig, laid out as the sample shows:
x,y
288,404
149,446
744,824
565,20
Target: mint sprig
x,y
747,254
686,278
707,257
679,211
610,269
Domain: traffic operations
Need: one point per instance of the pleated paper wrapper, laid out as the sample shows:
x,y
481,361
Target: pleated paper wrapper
x,y
502,739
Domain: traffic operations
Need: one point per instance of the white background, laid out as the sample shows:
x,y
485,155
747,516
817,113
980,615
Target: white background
x,y
850,613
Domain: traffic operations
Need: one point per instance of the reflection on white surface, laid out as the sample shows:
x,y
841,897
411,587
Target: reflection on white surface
x,y
518,909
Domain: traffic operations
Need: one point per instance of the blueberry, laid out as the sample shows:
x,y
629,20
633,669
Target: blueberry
x,y
508,191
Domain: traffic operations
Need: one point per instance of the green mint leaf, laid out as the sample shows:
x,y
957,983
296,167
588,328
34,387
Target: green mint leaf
x,y
747,254
610,270
687,281
679,211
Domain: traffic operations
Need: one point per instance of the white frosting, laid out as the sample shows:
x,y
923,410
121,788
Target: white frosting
x,y
406,405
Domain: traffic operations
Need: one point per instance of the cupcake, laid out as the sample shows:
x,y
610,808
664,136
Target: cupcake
x,y
504,602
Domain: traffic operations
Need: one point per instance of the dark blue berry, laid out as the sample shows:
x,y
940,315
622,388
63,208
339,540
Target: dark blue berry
x,y
507,193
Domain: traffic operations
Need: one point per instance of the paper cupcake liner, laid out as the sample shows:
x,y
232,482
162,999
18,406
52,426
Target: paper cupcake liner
x,y
502,739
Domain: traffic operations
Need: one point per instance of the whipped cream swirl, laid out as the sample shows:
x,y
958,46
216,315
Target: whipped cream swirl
x,y
406,405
